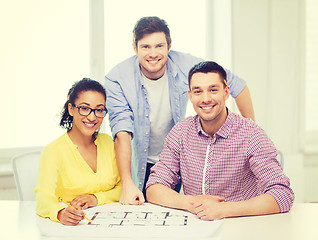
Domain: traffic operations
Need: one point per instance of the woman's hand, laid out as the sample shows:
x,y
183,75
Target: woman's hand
x,y
70,216
84,201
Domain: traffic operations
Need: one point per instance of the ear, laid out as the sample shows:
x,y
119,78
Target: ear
x,y
135,47
70,109
169,47
189,95
227,92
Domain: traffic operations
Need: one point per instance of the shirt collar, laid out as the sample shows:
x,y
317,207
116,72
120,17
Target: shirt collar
x,y
223,132
171,67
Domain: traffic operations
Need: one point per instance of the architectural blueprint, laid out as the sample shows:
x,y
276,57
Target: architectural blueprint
x,y
133,221
142,218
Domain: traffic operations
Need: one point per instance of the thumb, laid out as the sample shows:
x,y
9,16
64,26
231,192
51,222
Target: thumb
x,y
220,199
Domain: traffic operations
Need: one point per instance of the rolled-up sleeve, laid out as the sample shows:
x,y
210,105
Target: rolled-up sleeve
x,y
120,114
235,83
270,175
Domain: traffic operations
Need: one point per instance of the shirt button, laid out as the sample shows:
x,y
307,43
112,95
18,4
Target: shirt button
x,y
142,168
146,133
145,150
147,115
140,183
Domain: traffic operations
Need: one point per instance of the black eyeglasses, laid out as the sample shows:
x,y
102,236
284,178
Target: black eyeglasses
x,y
85,111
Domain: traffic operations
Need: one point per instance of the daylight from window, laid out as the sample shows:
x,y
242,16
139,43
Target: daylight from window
x,y
46,50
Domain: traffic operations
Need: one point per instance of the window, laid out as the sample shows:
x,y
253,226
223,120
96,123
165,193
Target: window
x,y
311,85
46,49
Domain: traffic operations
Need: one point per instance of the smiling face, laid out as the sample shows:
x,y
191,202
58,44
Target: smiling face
x,y
152,52
86,126
208,95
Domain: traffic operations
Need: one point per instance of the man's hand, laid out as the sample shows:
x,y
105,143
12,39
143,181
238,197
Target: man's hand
x,y
208,207
130,194
84,201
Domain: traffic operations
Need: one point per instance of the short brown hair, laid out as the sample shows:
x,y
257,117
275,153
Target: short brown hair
x,y
148,25
207,67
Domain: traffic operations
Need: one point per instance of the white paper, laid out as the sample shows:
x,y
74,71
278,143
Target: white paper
x,y
133,221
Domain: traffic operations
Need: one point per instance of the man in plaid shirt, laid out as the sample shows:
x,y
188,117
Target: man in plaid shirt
x,y
227,163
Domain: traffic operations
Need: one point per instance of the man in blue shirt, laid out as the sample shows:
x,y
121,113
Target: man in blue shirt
x,y
146,97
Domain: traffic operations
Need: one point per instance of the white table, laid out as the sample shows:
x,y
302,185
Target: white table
x,y
18,221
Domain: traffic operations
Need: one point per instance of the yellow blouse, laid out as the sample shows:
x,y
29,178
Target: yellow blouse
x,y
64,173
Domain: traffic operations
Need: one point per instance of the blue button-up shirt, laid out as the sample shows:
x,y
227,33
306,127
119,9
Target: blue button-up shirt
x,y
128,106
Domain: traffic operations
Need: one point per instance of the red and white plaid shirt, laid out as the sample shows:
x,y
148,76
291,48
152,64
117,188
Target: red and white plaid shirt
x,y
238,163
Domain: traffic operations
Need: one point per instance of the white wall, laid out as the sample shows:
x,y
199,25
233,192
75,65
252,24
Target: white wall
x,y
268,51
266,37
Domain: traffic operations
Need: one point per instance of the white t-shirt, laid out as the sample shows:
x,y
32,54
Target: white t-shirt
x,y
160,114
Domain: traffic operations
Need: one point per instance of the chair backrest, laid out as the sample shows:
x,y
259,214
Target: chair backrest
x,y
25,169
280,158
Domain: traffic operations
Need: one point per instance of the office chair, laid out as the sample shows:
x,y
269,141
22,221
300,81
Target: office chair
x,y
280,158
25,169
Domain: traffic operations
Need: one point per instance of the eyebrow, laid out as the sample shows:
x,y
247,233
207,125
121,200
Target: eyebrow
x,y
99,105
211,86
192,88
214,85
147,44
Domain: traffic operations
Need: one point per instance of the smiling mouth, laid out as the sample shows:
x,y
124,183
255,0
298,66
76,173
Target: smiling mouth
x,y
90,125
208,107
153,61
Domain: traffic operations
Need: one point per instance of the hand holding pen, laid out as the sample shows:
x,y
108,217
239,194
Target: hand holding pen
x,y
70,215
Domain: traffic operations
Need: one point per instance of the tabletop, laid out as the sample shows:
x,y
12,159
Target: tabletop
x,y
18,221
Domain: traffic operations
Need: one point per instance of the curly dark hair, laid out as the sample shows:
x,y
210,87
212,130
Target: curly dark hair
x,y
86,84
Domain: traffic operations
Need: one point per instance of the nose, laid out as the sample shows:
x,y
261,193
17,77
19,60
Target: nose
x,y
153,52
91,117
206,97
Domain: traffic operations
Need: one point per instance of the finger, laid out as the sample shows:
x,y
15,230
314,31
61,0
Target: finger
x,y
75,203
198,210
141,199
72,221
75,218
197,205
200,214
85,206
81,198
79,203
205,218
69,218
123,201
135,201
75,211
68,222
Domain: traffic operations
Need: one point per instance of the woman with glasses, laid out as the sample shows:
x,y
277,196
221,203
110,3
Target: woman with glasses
x,y
80,166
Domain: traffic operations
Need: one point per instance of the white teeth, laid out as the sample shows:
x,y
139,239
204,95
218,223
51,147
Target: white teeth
x,y
152,61
89,124
206,108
